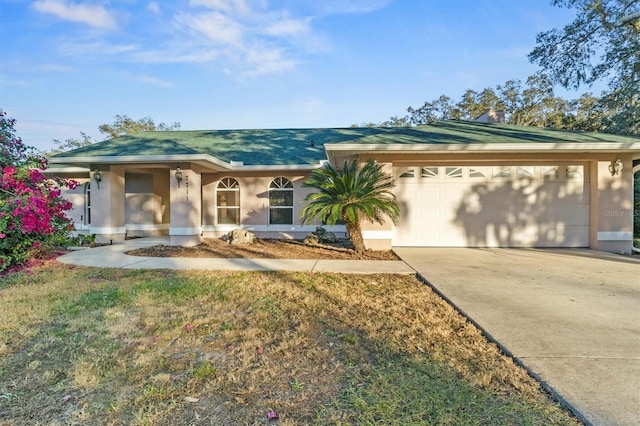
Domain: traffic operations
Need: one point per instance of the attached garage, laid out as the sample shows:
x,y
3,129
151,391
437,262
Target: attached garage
x,y
526,205
468,184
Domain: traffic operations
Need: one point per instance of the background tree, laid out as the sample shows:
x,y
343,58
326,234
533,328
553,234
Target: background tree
x,y
124,125
350,195
602,43
69,144
32,210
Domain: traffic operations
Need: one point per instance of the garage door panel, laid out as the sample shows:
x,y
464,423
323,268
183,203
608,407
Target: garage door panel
x,y
500,211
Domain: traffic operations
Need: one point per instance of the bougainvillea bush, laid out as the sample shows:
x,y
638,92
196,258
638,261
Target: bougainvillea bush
x,y
32,209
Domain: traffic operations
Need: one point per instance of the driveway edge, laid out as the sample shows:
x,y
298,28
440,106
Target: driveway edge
x,y
552,392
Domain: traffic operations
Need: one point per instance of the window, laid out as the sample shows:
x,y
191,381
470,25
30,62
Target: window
x,y
502,172
228,202
453,172
429,172
550,172
525,171
86,220
281,202
476,173
408,174
574,172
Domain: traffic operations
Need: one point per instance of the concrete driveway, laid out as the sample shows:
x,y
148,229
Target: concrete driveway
x,y
572,317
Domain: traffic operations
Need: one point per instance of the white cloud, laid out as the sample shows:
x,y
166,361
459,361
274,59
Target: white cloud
x,y
217,27
73,48
288,27
152,81
267,61
341,7
228,6
154,8
54,68
92,15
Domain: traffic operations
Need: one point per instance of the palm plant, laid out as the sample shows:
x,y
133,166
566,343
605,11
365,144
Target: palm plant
x,y
350,195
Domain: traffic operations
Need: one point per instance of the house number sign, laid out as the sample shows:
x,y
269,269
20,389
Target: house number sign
x,y
186,184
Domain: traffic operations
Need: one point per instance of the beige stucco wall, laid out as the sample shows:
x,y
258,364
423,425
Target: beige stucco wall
x,y
254,205
108,205
185,225
612,206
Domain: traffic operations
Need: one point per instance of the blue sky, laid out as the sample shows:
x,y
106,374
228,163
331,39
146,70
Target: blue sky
x,y
68,66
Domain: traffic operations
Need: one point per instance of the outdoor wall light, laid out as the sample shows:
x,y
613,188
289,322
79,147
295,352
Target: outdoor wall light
x,y
98,177
178,176
615,168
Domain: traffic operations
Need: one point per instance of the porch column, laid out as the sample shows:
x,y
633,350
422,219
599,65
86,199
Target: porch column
x,y
108,205
612,206
185,227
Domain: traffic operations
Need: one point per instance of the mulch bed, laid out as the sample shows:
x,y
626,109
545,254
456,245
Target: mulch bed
x,y
264,249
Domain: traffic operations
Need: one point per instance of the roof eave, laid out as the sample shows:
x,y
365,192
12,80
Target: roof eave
x,y
203,160
487,147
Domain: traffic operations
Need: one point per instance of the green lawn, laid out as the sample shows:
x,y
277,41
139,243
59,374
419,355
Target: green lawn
x,y
110,347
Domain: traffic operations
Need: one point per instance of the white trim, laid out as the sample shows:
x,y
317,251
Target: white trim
x,y
377,235
487,147
107,230
202,158
615,236
274,228
179,231
68,169
295,167
147,226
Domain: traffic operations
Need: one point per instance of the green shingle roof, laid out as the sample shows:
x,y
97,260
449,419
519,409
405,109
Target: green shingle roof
x,y
306,146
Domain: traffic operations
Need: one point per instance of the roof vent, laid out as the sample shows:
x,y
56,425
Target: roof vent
x,y
236,163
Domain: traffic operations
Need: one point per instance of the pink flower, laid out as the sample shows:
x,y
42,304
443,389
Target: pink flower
x,y
188,327
272,415
2,235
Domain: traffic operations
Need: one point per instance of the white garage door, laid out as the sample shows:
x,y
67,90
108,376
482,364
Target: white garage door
x,y
493,206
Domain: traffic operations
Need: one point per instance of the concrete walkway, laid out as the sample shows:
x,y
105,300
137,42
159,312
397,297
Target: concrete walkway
x,y
113,256
571,317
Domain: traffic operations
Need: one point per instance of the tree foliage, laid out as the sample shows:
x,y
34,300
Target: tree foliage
x,y
124,125
532,103
69,144
32,210
601,44
351,194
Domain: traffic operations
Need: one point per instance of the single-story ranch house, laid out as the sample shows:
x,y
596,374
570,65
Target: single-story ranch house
x,y
459,184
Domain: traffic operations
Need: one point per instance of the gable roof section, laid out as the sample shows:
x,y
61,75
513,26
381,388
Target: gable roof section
x,y
306,148
264,147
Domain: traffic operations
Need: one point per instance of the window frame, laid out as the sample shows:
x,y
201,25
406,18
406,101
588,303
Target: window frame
x,y
284,186
228,185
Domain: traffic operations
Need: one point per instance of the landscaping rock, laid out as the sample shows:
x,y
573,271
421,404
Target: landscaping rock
x,y
240,236
323,236
311,239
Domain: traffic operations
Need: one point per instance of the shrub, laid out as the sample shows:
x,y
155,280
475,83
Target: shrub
x,y
32,210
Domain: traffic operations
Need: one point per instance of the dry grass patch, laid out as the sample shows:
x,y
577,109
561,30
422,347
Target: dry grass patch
x,y
157,347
